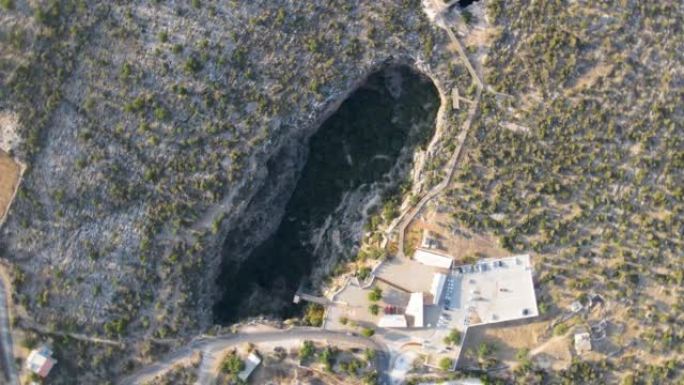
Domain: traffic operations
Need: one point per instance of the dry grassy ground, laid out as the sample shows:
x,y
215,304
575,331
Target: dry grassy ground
x,y
9,178
508,339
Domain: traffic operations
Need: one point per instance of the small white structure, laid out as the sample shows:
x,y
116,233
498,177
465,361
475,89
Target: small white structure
x,y
415,309
40,361
582,342
393,321
253,360
437,287
429,258
575,306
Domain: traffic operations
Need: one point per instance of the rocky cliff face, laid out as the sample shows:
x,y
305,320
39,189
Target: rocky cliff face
x,y
149,128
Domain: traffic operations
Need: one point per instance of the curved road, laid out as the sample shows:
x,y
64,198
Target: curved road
x,y
10,370
209,346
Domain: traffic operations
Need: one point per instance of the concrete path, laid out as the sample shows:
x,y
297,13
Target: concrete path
x,y
407,217
450,169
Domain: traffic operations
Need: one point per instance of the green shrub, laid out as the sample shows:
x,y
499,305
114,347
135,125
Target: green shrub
x,y
560,329
232,364
374,309
314,314
446,363
192,65
126,70
453,338
160,113
7,4
327,358
363,273
375,295
307,350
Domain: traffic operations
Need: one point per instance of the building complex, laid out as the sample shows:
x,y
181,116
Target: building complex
x,y
428,296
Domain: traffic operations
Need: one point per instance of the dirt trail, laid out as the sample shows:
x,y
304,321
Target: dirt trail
x,y
550,342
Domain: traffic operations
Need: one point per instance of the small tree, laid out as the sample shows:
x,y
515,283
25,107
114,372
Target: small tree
x,y
484,350
327,358
523,357
232,364
7,4
628,380
367,332
453,338
370,378
370,354
192,65
363,273
307,350
446,363
468,17
560,329
374,309
314,314
375,295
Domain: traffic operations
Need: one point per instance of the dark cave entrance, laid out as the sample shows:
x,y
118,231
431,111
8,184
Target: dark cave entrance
x,y
356,146
464,3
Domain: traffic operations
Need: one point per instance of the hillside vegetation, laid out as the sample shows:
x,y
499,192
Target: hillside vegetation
x,y
595,183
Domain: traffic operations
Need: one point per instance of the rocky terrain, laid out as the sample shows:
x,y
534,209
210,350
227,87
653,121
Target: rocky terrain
x,y
148,128
582,163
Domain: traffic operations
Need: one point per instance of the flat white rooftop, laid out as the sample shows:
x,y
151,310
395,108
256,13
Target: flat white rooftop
x,y
432,258
491,291
437,287
415,309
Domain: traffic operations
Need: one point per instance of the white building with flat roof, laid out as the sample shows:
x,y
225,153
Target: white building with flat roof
x,y
495,290
430,258
252,362
415,309
437,287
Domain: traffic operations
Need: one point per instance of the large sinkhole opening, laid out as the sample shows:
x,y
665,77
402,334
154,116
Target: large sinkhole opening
x,y
393,112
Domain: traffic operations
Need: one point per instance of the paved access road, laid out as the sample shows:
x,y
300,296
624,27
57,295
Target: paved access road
x,y
210,345
9,372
